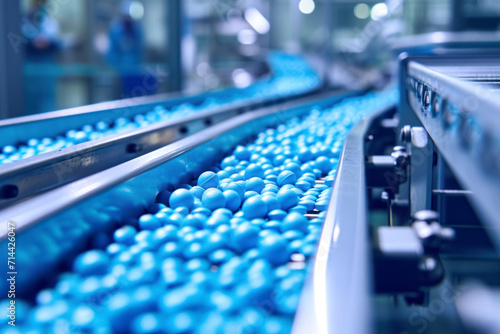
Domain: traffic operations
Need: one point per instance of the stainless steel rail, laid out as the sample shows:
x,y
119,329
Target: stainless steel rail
x,y
336,295
28,177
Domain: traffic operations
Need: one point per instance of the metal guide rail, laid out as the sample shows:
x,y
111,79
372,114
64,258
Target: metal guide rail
x,y
28,177
456,101
341,268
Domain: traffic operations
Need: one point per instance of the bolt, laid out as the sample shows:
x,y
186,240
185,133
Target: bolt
x,y
405,134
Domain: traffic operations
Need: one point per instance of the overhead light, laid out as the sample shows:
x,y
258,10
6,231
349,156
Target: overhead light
x,y
247,36
241,78
362,11
136,10
379,11
306,6
257,20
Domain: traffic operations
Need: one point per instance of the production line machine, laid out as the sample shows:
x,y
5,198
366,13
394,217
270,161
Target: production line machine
x,y
382,217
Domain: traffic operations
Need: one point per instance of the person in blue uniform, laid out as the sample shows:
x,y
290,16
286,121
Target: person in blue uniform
x,y
126,52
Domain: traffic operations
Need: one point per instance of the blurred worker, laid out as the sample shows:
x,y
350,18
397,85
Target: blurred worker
x,y
42,34
125,52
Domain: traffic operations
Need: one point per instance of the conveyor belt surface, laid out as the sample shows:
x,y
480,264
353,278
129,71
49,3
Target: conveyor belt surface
x,y
223,251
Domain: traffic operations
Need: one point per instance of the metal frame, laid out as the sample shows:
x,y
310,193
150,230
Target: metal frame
x,y
461,119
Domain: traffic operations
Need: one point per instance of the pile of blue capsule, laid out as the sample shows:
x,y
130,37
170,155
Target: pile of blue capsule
x,y
291,75
226,253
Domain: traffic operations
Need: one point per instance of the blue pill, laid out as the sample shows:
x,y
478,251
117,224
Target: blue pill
x,y
221,256
181,197
197,191
286,177
214,221
271,201
147,323
287,198
196,220
149,222
233,200
295,168
253,170
182,210
255,184
329,180
242,153
321,205
254,207
307,203
276,214
292,235
114,249
208,180
223,175
295,221
271,178
273,225
203,211
125,235
213,199
299,209
93,262
303,185
249,194
235,186
245,236
170,249
323,164
224,212
274,249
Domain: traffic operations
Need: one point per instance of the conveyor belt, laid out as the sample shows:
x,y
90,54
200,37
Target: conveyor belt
x,y
24,137
32,176
61,222
47,170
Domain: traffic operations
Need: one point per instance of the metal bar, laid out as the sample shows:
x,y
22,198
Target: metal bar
x,y
448,192
470,153
28,177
